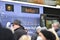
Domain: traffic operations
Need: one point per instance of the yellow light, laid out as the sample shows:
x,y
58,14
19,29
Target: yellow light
x,y
9,7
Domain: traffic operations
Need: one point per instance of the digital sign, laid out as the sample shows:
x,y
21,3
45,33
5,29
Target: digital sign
x,y
32,10
9,7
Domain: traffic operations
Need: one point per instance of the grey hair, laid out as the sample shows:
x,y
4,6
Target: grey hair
x,y
55,23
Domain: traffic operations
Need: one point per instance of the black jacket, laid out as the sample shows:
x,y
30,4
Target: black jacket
x,y
6,34
34,36
18,33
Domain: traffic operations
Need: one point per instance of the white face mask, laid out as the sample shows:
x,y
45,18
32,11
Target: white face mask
x,y
39,38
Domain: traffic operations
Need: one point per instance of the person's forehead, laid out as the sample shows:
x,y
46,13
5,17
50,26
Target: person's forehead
x,y
56,24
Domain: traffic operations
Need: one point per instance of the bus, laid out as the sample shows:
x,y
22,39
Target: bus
x,y
31,15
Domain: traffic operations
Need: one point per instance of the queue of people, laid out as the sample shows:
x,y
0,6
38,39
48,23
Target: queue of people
x,y
18,32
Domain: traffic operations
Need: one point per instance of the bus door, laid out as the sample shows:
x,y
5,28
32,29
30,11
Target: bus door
x,y
48,19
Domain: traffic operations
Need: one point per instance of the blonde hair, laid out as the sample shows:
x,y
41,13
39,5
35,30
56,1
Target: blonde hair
x,y
25,37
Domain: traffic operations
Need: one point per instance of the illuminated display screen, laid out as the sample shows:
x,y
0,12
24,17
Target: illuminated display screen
x,y
9,7
32,10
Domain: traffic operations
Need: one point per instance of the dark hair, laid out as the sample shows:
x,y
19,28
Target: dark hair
x,y
18,22
48,35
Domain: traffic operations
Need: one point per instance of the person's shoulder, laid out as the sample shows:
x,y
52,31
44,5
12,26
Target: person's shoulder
x,y
6,31
58,32
35,35
20,31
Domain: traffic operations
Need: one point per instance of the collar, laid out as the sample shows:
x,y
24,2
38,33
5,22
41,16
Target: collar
x,y
16,29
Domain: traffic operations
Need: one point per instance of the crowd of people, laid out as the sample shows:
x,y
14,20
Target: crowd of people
x,y
18,32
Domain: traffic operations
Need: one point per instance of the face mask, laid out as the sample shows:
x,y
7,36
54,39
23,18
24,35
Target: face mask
x,y
39,38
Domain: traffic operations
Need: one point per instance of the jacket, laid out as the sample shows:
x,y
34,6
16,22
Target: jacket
x,y
53,31
18,33
6,34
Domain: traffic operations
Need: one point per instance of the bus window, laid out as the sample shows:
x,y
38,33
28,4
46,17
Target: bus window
x,y
48,20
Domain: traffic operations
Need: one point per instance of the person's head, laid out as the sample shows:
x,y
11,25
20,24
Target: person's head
x,y
25,37
47,35
38,29
55,25
43,28
16,24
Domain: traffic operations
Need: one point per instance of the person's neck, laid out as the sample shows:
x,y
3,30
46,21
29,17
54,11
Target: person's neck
x,y
16,27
